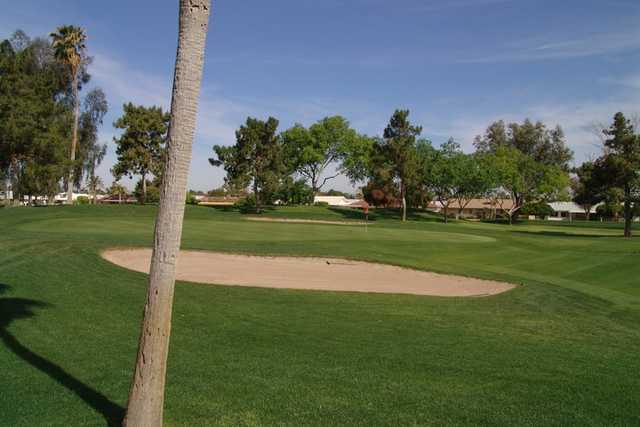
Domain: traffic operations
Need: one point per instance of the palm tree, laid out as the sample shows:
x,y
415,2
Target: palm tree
x,y
146,397
95,156
69,49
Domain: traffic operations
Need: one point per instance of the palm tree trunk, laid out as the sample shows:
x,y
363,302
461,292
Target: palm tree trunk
x,y
256,194
146,397
144,188
446,212
74,136
628,213
404,202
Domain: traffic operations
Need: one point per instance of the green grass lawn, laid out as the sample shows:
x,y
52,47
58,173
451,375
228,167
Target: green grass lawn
x,y
563,349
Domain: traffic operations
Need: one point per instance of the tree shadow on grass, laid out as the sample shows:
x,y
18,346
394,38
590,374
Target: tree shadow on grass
x,y
12,309
564,234
420,215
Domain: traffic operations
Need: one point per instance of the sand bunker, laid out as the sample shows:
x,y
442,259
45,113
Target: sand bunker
x,y
303,221
326,274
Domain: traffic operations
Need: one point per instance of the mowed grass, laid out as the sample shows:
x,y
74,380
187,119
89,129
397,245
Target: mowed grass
x,y
561,349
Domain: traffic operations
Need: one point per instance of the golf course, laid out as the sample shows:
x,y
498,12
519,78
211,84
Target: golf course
x,y
560,347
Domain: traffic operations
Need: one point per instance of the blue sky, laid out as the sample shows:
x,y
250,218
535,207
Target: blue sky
x,y
456,64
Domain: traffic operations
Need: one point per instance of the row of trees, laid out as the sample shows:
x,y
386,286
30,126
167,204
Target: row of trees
x,y
524,162
290,165
519,166
48,132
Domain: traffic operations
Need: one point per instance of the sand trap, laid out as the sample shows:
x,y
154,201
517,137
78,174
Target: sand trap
x,y
324,274
303,221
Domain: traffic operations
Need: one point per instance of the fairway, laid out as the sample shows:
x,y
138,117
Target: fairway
x,y
562,348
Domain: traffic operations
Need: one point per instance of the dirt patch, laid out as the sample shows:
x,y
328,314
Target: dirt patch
x,y
326,274
303,221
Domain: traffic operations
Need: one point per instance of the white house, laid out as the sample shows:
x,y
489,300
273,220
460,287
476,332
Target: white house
x,y
335,200
569,211
62,197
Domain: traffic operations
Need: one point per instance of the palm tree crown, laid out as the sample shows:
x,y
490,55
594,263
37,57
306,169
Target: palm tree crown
x,y
69,45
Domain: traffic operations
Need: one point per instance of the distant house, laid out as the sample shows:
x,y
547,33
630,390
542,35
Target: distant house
x,y
219,200
62,197
341,201
6,195
569,211
475,208
115,200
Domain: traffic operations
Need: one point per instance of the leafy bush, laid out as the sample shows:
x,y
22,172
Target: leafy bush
x,y
609,210
322,204
191,198
539,209
82,200
153,192
246,205
292,192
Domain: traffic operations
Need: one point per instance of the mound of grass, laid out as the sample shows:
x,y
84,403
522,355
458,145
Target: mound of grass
x,y
562,349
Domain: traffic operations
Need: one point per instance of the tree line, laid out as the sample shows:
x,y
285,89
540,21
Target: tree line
x,y
518,166
48,131
49,140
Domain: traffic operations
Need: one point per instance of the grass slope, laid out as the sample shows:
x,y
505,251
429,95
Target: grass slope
x,y
562,349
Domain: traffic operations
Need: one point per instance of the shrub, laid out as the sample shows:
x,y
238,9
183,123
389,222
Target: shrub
x,y
191,198
539,209
82,200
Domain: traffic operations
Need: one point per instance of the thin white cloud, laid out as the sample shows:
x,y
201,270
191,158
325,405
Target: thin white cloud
x,y
593,44
218,117
437,5
577,121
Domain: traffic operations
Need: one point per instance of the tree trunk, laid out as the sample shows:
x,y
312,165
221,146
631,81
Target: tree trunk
x,y
404,202
7,185
144,188
628,213
446,212
74,136
146,397
256,194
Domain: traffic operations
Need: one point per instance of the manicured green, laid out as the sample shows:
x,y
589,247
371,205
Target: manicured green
x,y
562,349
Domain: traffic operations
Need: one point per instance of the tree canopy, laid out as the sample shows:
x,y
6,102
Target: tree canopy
x,y
309,152
256,158
140,147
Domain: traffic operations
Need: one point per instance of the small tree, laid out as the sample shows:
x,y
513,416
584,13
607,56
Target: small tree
x,y
442,172
586,190
395,155
140,148
117,190
619,167
256,157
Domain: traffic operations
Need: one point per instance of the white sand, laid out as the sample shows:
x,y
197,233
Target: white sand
x,y
325,274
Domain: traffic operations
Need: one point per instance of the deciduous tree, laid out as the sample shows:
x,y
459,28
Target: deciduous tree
x,y
309,152
587,192
140,148
529,161
619,167
256,157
